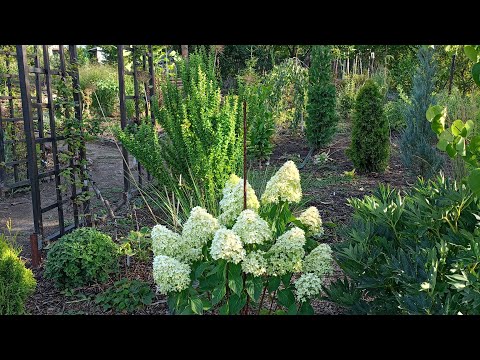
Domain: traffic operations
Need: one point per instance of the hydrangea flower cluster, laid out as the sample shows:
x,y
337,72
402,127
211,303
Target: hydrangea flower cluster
x,y
255,263
251,228
287,253
312,220
307,286
170,274
319,261
231,204
227,245
165,242
283,186
198,230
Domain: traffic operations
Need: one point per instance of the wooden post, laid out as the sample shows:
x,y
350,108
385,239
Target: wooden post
x,y
244,155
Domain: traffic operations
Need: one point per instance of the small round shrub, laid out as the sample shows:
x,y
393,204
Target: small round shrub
x,y
16,281
80,258
370,147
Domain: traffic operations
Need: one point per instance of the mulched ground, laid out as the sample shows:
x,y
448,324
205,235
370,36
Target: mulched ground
x,y
327,187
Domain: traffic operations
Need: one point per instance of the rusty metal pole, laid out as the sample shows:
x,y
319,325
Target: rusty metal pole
x,y
36,257
244,155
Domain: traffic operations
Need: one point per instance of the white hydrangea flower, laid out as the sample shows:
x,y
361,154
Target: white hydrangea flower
x,y
319,261
251,228
170,275
284,185
165,241
198,230
227,245
312,220
230,184
286,254
231,204
307,286
255,263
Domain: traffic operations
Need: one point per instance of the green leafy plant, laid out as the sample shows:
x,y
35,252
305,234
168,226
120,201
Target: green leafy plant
x,y
232,264
99,85
138,244
260,123
417,147
126,296
202,131
16,281
80,258
459,138
370,147
416,253
395,115
321,123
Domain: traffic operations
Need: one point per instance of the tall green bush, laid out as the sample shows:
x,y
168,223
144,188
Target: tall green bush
x,y
16,281
99,84
321,123
417,144
370,147
202,131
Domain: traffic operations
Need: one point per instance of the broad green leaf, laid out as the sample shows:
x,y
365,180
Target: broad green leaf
x,y
469,126
306,309
471,52
200,269
235,282
258,286
286,279
451,151
457,127
224,309
196,305
250,287
476,73
438,123
273,283
474,181
218,294
442,144
292,309
286,297
433,111
236,303
460,147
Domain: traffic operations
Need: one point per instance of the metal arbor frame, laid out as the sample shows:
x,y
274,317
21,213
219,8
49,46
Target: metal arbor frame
x,y
143,71
35,134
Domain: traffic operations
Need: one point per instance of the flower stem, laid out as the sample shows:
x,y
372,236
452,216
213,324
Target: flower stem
x,y
261,300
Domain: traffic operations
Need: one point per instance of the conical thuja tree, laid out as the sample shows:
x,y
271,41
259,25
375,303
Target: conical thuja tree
x,y
321,122
418,141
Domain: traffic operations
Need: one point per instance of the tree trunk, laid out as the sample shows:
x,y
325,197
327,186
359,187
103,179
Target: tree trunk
x,y
184,51
452,70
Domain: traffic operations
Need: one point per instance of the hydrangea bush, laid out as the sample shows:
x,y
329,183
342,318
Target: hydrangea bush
x,y
262,259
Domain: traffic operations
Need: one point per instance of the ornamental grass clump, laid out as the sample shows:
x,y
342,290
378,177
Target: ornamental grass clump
x,y
231,265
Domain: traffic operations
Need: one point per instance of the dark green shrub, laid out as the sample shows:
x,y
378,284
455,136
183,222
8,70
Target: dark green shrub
x,y
412,254
80,258
321,123
417,144
16,281
370,147
126,296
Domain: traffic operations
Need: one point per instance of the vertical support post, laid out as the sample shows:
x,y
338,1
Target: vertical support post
x,y
2,155
78,115
53,134
12,115
39,99
73,186
244,155
36,256
152,81
30,139
137,100
123,119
